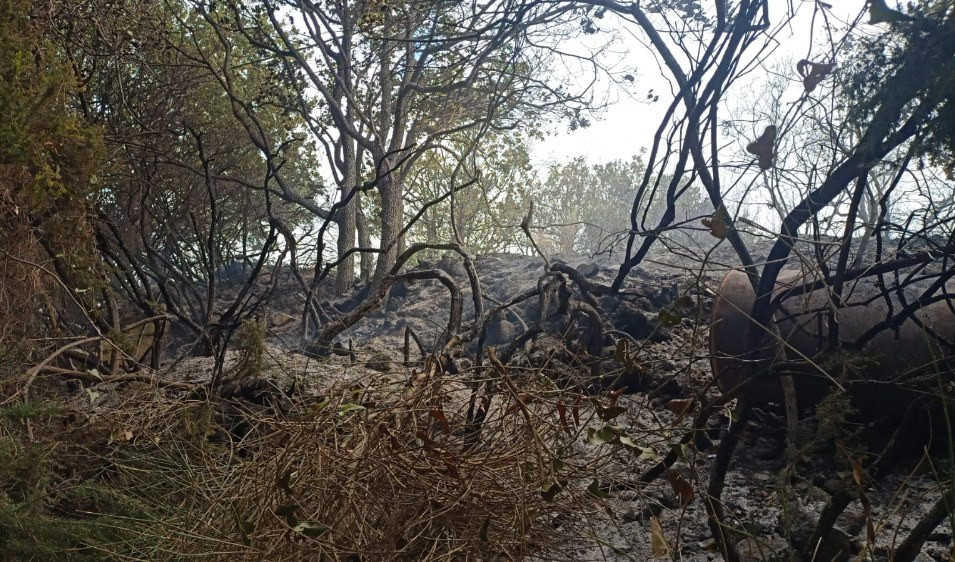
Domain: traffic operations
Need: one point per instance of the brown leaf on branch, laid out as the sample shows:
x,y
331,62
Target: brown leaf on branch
x,y
681,406
763,147
681,486
813,72
718,223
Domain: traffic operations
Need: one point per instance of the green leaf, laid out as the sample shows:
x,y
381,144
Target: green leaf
x,y
609,412
547,382
549,492
643,453
310,529
647,454
283,482
287,510
621,353
350,407
669,318
246,527
604,435
595,491
93,395
685,452
485,528
628,442
316,408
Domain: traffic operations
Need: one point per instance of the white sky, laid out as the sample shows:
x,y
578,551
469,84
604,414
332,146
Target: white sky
x,y
628,125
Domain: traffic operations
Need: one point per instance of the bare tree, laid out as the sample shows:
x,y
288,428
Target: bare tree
x,y
856,157
389,82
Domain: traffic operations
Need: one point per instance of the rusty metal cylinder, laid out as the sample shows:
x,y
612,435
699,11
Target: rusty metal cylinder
x,y
915,353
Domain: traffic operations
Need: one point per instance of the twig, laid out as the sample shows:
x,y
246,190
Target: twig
x,y
526,227
912,544
125,377
724,540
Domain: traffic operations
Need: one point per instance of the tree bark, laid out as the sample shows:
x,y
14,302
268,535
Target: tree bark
x,y
366,261
349,220
392,215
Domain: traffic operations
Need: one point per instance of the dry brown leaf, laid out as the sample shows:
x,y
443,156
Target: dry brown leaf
x,y
813,72
562,413
717,223
438,414
659,548
680,406
522,399
809,83
681,486
763,147
615,395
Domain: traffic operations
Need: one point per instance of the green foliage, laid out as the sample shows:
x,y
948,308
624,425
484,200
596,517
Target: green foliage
x,y
49,157
181,193
47,152
688,10
579,207
24,478
587,207
595,199
87,501
32,499
832,413
487,214
145,73
911,44
31,411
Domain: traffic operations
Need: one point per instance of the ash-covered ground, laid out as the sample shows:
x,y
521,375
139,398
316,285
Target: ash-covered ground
x,y
662,312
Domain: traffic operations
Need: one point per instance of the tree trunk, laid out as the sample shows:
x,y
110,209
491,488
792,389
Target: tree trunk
x,y
392,215
366,263
348,223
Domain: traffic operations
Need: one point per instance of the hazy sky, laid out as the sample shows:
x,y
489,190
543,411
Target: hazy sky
x,y
629,123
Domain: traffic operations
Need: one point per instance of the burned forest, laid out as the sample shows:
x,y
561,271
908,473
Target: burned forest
x,y
508,280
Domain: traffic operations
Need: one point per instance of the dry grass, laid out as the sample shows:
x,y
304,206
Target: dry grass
x,y
387,472
392,478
